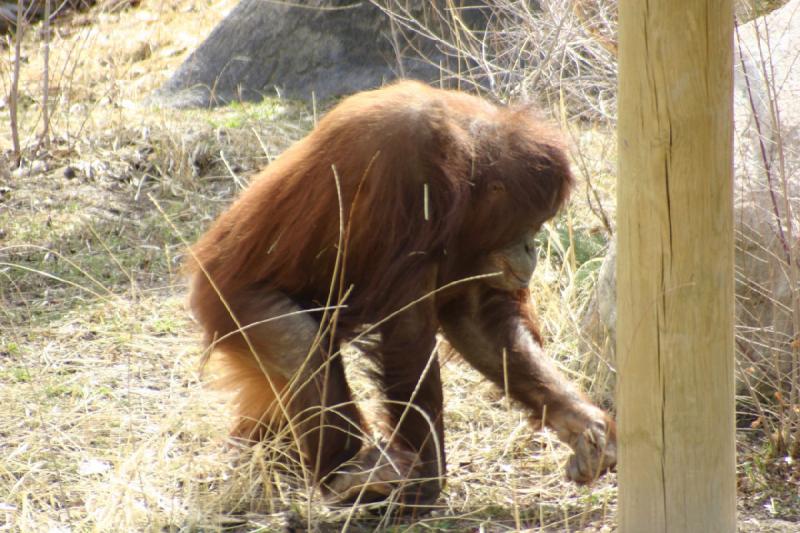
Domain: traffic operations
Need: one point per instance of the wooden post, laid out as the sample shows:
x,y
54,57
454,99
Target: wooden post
x,y
675,267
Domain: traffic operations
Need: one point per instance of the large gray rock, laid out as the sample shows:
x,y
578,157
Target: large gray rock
x,y
325,47
767,209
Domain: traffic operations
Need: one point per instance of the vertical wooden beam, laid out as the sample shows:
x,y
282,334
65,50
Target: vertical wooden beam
x,y
675,267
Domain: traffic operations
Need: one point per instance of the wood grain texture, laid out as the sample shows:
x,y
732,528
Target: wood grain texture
x,y
675,267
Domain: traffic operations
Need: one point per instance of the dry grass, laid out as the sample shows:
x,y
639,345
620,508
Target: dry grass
x,y
105,424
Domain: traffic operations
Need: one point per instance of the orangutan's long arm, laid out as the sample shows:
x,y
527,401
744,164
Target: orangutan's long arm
x,y
490,329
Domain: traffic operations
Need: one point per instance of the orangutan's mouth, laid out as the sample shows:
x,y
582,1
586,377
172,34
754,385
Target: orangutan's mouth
x,y
523,281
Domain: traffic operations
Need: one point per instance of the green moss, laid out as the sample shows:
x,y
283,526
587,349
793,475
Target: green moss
x,y
238,115
15,375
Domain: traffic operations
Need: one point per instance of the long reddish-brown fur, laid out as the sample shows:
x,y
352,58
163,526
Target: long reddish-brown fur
x,y
284,228
390,183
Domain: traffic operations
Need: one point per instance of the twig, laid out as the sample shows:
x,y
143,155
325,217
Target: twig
x,y
44,140
761,145
13,97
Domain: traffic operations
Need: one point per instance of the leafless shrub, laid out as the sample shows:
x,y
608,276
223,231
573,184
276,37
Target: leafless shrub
x,y
768,200
562,52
